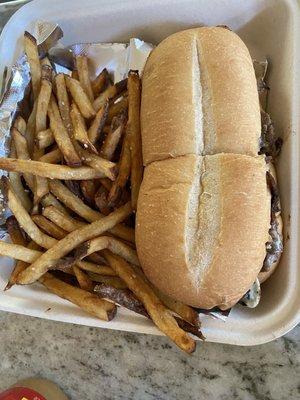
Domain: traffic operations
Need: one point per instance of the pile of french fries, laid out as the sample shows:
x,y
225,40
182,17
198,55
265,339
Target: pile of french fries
x,y
75,170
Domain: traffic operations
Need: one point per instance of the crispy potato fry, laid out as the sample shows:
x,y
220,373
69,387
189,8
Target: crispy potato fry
x,y
50,200
17,185
89,302
44,138
99,164
187,313
79,129
96,268
25,221
61,135
113,138
98,123
80,97
22,154
113,281
61,219
133,125
20,266
32,54
43,99
110,243
160,315
100,82
84,76
30,129
75,75
124,172
89,189
117,108
101,200
14,231
48,227
53,157
71,241
51,171
106,183
109,93
75,204
83,279
19,252
20,125
122,297
63,102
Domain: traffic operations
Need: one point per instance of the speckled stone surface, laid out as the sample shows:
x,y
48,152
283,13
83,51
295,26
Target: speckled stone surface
x,y
95,364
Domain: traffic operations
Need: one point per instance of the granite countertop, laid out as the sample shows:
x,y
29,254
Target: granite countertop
x,y
91,363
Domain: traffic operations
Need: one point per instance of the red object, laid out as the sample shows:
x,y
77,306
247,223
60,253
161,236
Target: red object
x,y
21,393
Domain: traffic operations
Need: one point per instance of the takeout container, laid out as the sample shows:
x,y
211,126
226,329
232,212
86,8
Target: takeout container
x,y
270,28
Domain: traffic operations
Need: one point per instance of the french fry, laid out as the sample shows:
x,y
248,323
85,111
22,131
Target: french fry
x,y
74,187
50,200
71,241
89,189
25,220
98,123
80,97
133,125
89,302
75,75
20,144
43,99
124,172
48,227
102,201
79,128
20,265
122,297
19,252
110,243
61,135
51,171
117,108
75,204
106,183
61,219
113,138
63,102
44,138
32,54
17,185
187,313
20,125
99,164
96,268
53,157
83,279
30,129
84,77
109,93
100,82
113,281
159,314
14,231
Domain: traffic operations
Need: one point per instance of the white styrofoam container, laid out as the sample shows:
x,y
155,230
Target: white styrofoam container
x,y
270,28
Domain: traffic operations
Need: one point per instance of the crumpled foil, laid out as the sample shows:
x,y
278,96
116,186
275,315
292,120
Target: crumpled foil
x,y
118,58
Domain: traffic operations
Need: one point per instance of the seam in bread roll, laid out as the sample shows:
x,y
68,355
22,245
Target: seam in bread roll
x,y
197,99
208,128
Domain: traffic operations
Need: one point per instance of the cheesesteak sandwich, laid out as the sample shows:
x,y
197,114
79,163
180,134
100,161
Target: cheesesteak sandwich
x,y
208,215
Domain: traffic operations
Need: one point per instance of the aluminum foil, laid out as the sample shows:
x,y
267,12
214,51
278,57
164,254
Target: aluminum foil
x,y
118,58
